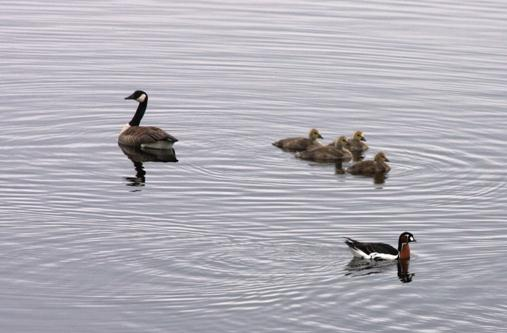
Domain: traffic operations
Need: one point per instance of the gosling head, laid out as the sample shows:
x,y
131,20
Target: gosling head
x,y
138,95
381,157
359,135
340,142
315,134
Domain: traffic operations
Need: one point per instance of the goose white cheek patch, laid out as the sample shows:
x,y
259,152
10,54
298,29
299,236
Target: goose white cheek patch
x,y
141,98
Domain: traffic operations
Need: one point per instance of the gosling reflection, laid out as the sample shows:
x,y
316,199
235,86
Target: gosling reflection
x,y
379,179
338,168
139,156
357,156
360,267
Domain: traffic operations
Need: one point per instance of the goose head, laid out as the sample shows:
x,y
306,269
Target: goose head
x,y
381,157
359,135
138,95
314,134
341,142
406,237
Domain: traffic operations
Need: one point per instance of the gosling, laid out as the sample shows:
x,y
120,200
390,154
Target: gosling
x,y
300,144
335,153
371,168
357,144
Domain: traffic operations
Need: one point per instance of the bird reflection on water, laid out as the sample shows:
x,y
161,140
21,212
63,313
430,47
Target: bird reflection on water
x,y
360,267
139,156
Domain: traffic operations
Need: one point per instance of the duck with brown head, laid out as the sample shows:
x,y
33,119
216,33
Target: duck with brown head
x,y
145,137
300,143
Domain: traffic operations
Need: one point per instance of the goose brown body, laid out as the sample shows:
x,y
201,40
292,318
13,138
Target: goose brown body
x,y
300,143
335,153
144,136
371,168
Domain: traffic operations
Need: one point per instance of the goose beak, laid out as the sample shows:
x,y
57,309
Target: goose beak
x,y
320,136
130,97
387,160
363,138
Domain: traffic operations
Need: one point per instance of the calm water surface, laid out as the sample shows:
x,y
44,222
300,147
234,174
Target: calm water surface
x,y
239,236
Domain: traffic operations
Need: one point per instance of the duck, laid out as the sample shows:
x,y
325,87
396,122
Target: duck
x,y
144,136
382,251
357,144
371,168
300,143
328,153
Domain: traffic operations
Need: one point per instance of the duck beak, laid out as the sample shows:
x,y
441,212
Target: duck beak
x,y
387,160
130,97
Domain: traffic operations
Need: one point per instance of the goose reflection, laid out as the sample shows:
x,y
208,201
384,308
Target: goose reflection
x,y
360,267
403,273
139,156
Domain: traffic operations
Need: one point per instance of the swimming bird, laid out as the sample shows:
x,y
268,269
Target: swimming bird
x,y
300,143
356,144
382,251
335,153
371,168
144,136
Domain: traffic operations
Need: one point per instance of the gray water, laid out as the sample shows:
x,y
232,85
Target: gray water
x,y
239,236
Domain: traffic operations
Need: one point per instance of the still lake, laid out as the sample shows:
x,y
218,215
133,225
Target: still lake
x,y
239,236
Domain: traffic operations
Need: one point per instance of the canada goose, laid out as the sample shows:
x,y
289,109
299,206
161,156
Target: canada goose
x,y
334,153
144,136
371,168
300,144
356,143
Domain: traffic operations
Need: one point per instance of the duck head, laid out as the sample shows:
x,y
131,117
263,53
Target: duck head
x,y
138,95
314,134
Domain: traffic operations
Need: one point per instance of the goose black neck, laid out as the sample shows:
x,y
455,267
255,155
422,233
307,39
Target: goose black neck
x,y
400,244
141,108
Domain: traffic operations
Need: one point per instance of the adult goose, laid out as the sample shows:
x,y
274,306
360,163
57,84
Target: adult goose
x,y
144,136
382,251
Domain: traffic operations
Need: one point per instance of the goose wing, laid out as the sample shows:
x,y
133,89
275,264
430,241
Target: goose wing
x,y
369,248
137,135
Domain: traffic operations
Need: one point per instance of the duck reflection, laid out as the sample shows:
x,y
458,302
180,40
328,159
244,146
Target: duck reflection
x,y
361,267
139,156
